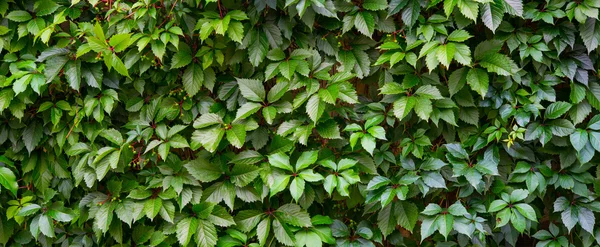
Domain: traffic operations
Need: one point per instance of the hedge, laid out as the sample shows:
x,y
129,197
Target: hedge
x,y
299,123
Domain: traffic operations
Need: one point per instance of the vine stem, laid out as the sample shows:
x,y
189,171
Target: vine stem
x,y
74,124
271,242
220,8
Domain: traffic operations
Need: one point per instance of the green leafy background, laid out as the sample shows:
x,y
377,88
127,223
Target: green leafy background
x,y
299,123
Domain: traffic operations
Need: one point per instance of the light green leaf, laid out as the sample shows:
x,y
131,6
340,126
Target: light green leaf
x,y
297,188
526,211
8,180
280,160
403,106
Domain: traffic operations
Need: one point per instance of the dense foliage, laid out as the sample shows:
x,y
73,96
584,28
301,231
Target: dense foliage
x,y
299,122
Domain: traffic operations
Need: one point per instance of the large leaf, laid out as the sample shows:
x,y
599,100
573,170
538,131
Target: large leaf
x,y
252,89
590,34
8,180
203,170
193,78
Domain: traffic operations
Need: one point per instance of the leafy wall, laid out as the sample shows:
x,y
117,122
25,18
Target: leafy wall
x,y
299,122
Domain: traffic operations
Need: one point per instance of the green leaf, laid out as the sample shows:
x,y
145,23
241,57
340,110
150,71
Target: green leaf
x,y
459,36
32,135
186,229
386,220
220,217
497,205
329,130
432,209
293,214
8,180
258,49
375,4
152,207
590,34
392,88
209,138
22,83
193,78
288,68
407,214
297,188
182,58
579,139
587,220
445,53
378,182
247,110
569,217
423,108
526,211
463,54
236,135
557,109
283,234
203,170
315,108
279,184
428,227
252,89
561,127
444,223
44,8
377,132
281,161
479,81
18,16
503,217
236,31
518,221
46,225
243,174
113,136
429,92
269,113
277,91
457,150
368,143
206,235
306,159
118,65
514,7
518,195
262,231
29,210
491,14
6,96
403,106
73,74
410,13
498,63
364,23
